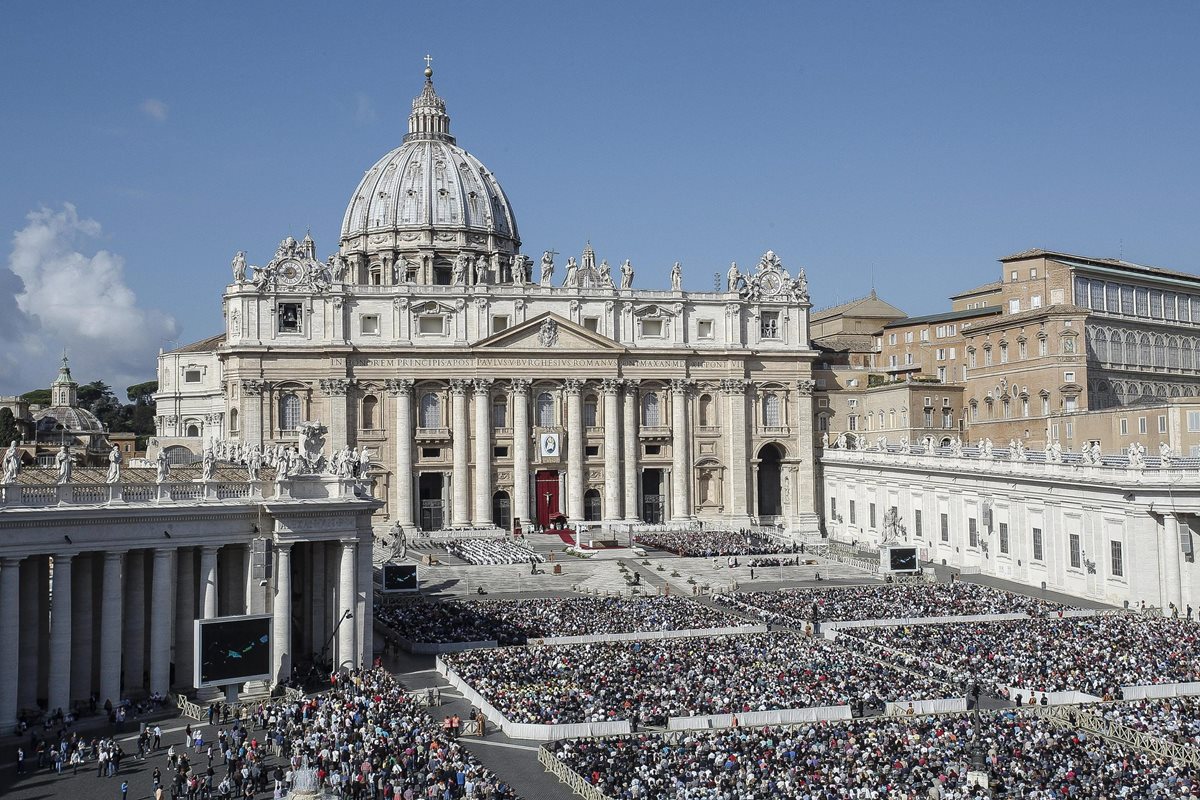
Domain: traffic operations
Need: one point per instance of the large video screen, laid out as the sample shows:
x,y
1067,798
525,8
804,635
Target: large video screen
x,y
233,650
399,577
903,559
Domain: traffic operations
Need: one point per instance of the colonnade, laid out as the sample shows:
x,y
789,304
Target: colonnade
x,y
473,481
119,623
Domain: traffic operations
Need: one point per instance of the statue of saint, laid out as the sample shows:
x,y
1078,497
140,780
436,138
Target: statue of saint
x,y
547,276
11,463
626,275
572,273
520,270
364,463
239,267
114,466
677,277
337,267
801,286
208,465
732,277
458,273
63,461
253,463
606,279
164,467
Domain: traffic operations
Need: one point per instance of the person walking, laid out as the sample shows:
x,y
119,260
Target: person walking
x,y
124,790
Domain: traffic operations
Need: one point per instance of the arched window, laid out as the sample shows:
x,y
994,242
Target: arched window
x,y
370,405
707,418
1173,353
499,412
651,413
545,410
1115,348
233,420
1144,351
193,430
1185,354
589,412
1160,352
289,412
772,410
1100,345
431,411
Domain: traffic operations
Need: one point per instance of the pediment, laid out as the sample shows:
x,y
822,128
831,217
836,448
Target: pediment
x,y
548,332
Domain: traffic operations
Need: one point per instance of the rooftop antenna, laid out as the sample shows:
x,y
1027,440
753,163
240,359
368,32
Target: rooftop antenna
x,y
716,281
1121,250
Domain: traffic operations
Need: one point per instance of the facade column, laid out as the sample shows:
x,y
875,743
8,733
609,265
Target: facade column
x,y
364,597
318,611
10,601
461,515
611,390
251,414
208,581
135,622
806,519
81,627
680,470
111,626
59,681
629,429
346,591
483,453
337,392
31,611
402,391
185,615
520,412
162,609
575,438
1171,549
736,438
281,614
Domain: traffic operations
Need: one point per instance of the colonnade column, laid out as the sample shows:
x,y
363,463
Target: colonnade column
x,y
135,620
281,613
31,612
346,590
185,615
208,581
520,412
459,387
402,390
111,626
483,453
10,601
575,437
162,609
611,389
629,428
734,390
680,470
1171,564
81,627
59,680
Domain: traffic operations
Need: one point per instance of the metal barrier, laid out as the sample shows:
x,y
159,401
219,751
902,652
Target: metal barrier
x,y
190,709
572,779
1131,737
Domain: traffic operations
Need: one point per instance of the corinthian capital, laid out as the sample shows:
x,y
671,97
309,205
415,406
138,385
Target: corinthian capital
x,y
482,386
573,385
460,386
681,385
805,387
398,386
520,386
610,385
733,386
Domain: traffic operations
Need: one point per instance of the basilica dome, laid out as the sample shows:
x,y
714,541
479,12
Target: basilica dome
x,y
429,193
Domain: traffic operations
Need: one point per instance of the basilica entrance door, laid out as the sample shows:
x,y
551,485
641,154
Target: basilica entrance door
x,y
430,487
652,497
546,486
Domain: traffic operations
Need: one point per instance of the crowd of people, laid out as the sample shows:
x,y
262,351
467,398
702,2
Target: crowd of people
x,y
649,681
1095,655
884,601
482,552
908,758
709,543
1176,719
511,622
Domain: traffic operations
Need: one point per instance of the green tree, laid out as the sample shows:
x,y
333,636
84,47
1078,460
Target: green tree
x,y
142,393
96,393
39,397
9,432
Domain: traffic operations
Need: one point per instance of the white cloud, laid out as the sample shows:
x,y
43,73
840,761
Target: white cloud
x,y
64,297
155,109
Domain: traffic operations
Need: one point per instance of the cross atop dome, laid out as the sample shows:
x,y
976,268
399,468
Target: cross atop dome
x,y
428,119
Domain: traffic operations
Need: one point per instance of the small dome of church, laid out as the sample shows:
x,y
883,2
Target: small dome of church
x,y
63,415
429,184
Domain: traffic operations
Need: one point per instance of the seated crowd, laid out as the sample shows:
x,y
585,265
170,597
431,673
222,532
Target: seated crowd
x,y
709,543
515,621
893,757
1095,655
649,681
1176,719
491,552
884,601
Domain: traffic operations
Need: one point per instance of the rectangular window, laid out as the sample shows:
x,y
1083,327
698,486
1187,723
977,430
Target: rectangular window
x,y
871,511
1014,305
1076,551
1033,273
952,355
917,523
972,532
1035,301
499,323
769,325
853,423
592,324
1004,354
500,451
1156,304
1193,421
1141,425
704,329
1126,300
941,374
654,449
1054,431
1125,425
1037,545
892,361
1098,295
191,376
1045,406
929,418
908,337
945,523
1117,559
1169,305
369,324
431,325
1022,350
1013,276
1068,377
1043,348
1081,291
290,317
832,507
925,334
652,328
1162,424
822,424
592,450
987,357
908,359
851,512
971,359
1004,538
1142,297
431,452
941,354
891,338
1070,404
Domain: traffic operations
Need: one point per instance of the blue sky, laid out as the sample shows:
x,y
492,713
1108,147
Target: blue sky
x,y
901,145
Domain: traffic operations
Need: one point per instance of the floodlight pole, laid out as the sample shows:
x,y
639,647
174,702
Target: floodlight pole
x,y
345,616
